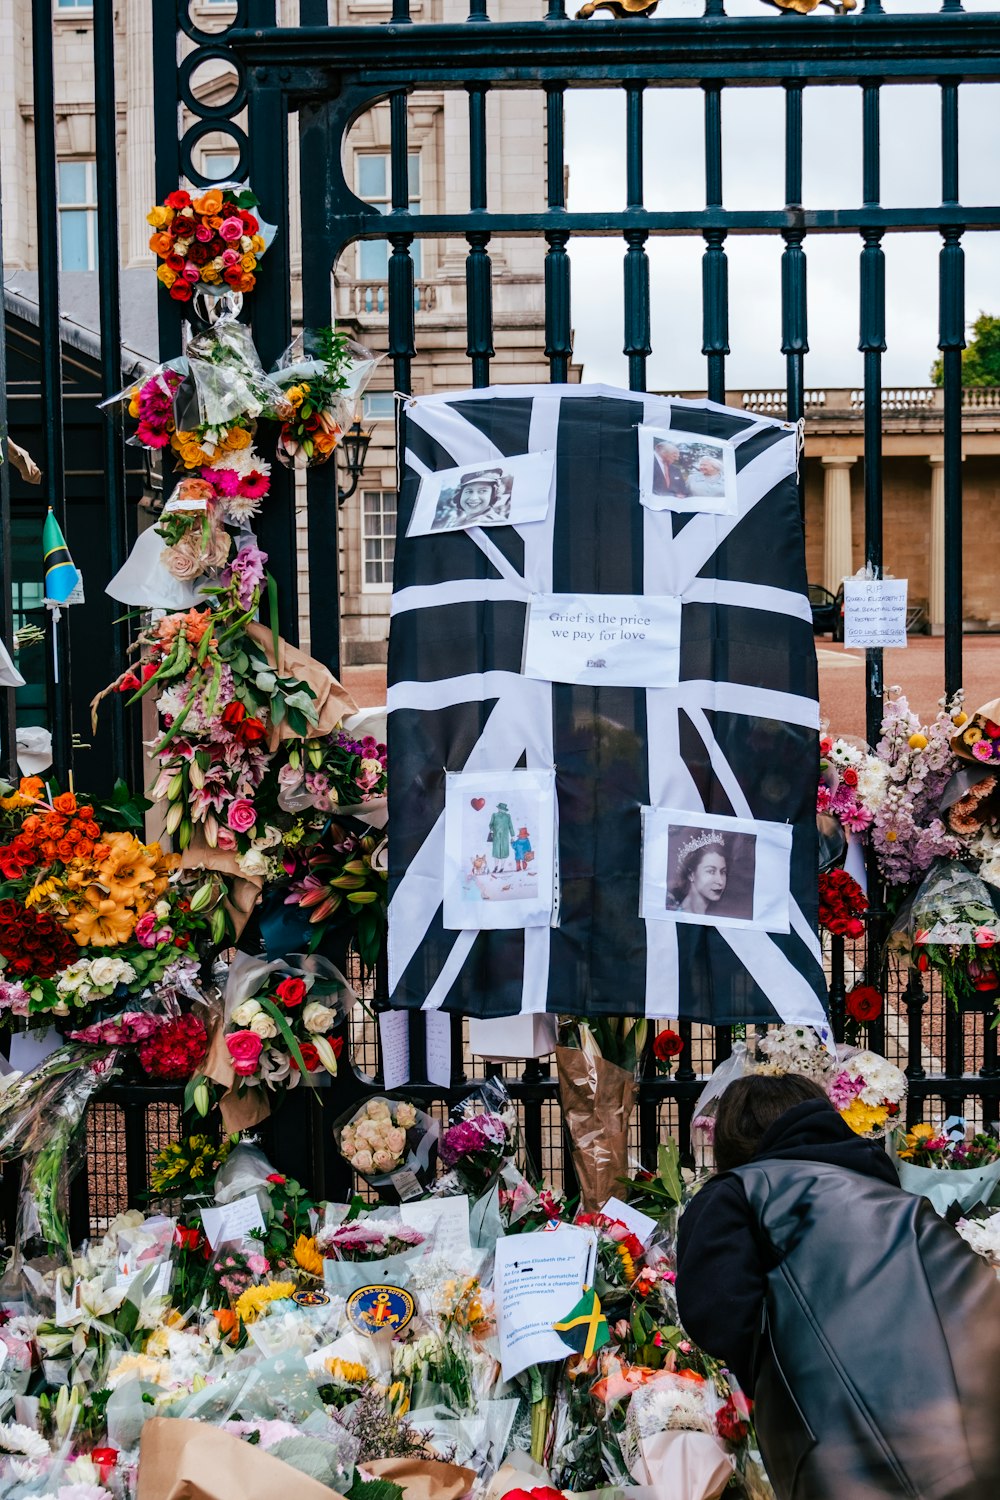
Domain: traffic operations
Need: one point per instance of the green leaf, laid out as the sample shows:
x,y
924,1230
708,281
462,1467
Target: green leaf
x,y
668,1166
272,611
374,1489
286,1032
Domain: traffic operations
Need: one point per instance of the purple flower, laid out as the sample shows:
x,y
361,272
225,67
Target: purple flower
x,y
473,1137
246,574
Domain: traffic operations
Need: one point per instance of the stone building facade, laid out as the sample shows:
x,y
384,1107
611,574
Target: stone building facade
x,y
438,137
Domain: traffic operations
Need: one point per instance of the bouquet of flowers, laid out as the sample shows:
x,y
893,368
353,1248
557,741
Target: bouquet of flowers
x,y
952,924
983,1236
842,904
942,1166
851,781
211,243
671,1439
481,1138
368,1252
343,875
386,1136
192,529
867,1090
90,915
598,1063
367,1240
906,832
278,1024
323,375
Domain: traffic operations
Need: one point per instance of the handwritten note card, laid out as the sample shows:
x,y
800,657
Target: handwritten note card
x,y
623,640
537,1278
875,611
233,1221
437,1024
394,1031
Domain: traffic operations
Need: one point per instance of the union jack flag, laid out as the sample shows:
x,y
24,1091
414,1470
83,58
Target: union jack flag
x,y
737,736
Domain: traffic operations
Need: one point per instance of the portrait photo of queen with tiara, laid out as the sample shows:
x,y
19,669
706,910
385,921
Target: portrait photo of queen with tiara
x,y
710,874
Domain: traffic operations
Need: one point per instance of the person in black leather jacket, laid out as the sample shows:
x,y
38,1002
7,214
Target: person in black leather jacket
x,y
861,1324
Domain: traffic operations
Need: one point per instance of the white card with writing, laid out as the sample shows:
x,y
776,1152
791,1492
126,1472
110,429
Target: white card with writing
x,y
394,1031
232,1221
499,850
496,492
640,1224
437,1030
447,1219
537,1279
620,640
875,611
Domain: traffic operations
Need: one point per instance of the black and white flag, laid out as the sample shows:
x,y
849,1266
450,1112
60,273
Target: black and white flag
x,y
729,732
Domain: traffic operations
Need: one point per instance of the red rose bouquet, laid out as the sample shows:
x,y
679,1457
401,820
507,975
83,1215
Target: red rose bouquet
x,y
842,904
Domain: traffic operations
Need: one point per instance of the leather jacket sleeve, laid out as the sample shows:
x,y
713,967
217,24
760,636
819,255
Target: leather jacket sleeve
x,y
721,1277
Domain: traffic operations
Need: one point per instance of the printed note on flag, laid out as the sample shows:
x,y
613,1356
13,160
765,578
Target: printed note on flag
x,y
715,871
498,492
500,849
616,640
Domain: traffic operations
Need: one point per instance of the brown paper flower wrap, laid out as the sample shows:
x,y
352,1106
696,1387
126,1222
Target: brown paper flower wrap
x,y
243,890
182,1459
423,1478
967,734
331,701
597,1100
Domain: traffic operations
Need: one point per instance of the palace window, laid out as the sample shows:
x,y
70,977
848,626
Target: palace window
x,y
378,537
78,215
374,184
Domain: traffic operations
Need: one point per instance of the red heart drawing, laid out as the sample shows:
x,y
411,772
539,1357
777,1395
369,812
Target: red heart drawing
x,y
479,803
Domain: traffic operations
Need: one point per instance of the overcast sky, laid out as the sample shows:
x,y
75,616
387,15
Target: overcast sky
x,y
753,177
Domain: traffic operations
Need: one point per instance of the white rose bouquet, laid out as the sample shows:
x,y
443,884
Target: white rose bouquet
x,y
385,1137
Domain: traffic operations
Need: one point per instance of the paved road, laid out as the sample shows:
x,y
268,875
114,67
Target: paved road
x,y
918,670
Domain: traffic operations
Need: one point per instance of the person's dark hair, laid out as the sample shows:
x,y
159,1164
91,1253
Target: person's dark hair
x,y
748,1109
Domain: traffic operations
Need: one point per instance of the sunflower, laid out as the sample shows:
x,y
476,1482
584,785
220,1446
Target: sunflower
x,y
307,1257
251,1303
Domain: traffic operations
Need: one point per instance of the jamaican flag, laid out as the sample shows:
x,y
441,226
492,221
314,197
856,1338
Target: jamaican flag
x,y
585,1328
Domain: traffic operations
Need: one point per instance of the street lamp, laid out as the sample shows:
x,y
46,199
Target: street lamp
x,y
354,446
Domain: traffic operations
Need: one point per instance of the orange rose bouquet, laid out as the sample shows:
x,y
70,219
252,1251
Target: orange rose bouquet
x,y
211,244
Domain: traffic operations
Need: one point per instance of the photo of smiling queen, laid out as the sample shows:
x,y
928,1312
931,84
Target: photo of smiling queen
x,y
702,873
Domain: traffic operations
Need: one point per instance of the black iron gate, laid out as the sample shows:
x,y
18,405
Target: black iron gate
x,y
321,79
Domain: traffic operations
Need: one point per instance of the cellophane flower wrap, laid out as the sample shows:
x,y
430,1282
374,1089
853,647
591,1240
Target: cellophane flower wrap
x,y
279,1023
952,924
323,375
481,1138
386,1135
41,1119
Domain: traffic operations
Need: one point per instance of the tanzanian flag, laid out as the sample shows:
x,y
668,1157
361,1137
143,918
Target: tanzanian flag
x,y
585,1328
62,577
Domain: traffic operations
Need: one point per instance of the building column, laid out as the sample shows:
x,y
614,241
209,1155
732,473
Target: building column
x,y
137,173
935,600
838,553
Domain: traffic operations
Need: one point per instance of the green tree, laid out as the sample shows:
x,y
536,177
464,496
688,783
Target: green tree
x,y
981,360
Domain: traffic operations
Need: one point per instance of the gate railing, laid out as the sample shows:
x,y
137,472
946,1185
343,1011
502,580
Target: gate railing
x,y
327,78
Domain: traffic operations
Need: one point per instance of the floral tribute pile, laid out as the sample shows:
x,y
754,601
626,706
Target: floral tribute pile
x,y
328,1346
926,803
